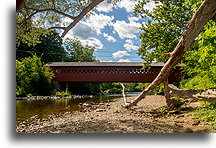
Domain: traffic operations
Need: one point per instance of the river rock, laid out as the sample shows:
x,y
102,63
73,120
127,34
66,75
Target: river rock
x,y
199,129
100,110
88,104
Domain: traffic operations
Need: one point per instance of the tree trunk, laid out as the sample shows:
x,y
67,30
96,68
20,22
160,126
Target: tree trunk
x,y
208,95
192,29
167,94
19,5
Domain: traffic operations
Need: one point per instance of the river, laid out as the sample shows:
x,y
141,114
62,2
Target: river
x,y
25,109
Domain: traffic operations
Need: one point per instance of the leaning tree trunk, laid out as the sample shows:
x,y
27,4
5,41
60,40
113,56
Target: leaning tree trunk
x,y
208,95
192,29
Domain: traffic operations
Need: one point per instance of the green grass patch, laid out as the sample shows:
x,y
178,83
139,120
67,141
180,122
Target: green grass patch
x,y
206,113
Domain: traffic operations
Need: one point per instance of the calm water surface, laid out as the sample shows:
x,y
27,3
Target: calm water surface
x,y
42,108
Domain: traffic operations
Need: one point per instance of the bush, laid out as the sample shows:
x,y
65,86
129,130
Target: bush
x,y
32,77
142,86
62,93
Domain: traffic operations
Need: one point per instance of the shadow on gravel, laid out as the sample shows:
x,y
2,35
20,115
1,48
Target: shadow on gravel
x,y
104,126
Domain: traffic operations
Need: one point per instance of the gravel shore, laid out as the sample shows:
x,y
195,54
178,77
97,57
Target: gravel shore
x,y
113,118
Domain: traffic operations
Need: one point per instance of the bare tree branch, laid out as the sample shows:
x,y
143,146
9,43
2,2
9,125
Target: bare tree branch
x,y
81,15
199,19
76,19
43,10
63,28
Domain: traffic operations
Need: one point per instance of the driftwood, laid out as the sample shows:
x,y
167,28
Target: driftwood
x,y
205,13
208,95
123,93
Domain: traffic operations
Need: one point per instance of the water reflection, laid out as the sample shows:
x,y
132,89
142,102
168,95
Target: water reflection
x,y
28,108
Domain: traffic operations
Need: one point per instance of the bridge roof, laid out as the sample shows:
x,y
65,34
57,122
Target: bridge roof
x,y
98,64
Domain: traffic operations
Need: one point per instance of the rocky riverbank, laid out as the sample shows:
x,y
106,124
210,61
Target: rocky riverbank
x,y
112,118
54,97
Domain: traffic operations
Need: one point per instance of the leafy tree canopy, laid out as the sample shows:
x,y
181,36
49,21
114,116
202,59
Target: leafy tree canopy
x,y
163,30
32,77
76,52
50,48
200,63
51,14
162,33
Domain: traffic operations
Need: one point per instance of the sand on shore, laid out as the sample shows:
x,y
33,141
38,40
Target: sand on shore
x,y
113,118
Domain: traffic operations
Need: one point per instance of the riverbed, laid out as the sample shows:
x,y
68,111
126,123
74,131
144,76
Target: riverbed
x,y
40,109
111,117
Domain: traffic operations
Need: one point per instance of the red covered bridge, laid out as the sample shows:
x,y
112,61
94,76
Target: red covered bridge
x,y
108,72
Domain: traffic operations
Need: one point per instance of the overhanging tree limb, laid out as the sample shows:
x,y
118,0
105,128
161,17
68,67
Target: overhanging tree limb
x,y
44,10
75,19
81,15
192,29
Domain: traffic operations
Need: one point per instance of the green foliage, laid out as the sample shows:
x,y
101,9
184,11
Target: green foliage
x,y
200,63
28,33
163,30
116,88
71,7
29,30
142,86
78,52
62,93
32,77
111,88
131,87
50,48
162,33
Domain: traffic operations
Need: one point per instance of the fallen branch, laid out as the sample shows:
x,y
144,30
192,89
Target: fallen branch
x,y
208,95
193,28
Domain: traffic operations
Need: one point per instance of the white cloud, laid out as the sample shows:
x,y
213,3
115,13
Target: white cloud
x,y
134,18
99,21
86,34
124,60
151,5
126,30
105,7
120,54
109,37
83,31
130,46
93,42
87,31
106,61
128,5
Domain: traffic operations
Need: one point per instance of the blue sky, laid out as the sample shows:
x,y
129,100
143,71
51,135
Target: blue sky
x,y
113,30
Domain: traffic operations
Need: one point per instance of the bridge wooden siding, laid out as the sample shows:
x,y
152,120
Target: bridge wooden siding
x,y
108,72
